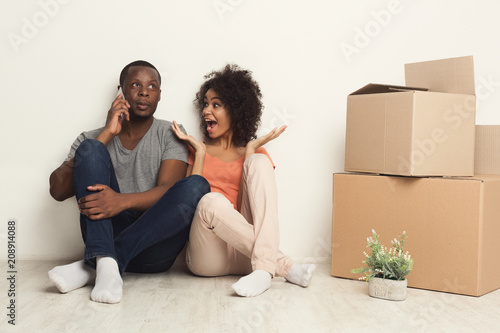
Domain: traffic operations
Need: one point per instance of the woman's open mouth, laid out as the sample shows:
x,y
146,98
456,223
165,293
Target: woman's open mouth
x,y
210,124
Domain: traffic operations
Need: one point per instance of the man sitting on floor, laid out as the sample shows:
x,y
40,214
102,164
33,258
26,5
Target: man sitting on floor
x,y
135,205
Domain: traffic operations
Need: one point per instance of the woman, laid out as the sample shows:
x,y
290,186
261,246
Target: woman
x,y
235,228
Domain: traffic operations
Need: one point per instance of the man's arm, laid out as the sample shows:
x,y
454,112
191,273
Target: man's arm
x,y
170,172
107,203
61,181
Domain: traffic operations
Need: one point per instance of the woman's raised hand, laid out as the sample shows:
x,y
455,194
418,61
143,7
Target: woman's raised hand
x,y
195,144
199,149
253,145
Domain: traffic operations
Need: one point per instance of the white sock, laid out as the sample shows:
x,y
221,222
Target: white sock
x,y
72,276
108,282
301,274
253,284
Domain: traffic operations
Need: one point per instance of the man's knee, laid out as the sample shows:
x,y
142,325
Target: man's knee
x,y
189,190
199,185
90,148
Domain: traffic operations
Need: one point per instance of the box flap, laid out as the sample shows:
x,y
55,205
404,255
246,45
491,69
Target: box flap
x,y
374,88
454,75
476,178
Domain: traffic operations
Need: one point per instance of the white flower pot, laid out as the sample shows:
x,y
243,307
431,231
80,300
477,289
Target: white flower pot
x,y
387,289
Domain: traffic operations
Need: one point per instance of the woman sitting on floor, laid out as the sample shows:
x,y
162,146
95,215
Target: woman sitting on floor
x,y
235,228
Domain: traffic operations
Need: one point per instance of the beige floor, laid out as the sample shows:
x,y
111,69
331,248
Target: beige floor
x,y
177,301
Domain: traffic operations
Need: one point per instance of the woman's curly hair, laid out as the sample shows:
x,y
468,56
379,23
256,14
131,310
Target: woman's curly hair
x,y
240,94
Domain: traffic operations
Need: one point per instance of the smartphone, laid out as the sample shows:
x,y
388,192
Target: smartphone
x,y
120,91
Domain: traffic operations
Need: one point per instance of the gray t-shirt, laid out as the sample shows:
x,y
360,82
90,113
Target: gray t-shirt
x,y
137,170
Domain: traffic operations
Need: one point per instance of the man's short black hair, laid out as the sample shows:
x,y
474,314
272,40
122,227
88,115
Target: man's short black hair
x,y
124,73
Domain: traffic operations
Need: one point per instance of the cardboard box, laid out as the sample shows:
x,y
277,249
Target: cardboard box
x,y
487,152
412,132
452,227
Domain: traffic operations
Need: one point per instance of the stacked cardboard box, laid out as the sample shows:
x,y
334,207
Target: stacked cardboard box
x,y
487,153
413,153
426,131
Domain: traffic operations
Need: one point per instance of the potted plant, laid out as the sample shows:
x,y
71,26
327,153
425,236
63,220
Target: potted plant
x,y
385,269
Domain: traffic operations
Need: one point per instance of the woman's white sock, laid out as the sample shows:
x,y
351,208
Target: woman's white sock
x,y
301,274
253,284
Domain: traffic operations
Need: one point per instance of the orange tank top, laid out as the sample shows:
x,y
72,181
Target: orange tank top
x,y
225,177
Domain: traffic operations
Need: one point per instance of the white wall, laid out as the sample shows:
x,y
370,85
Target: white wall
x,y
60,62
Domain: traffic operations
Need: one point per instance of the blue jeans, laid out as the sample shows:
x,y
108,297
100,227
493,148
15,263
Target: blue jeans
x,y
143,242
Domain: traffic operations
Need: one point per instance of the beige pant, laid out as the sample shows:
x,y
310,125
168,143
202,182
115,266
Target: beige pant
x,y
224,241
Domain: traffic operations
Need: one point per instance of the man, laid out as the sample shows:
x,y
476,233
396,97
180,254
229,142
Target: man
x,y
135,205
